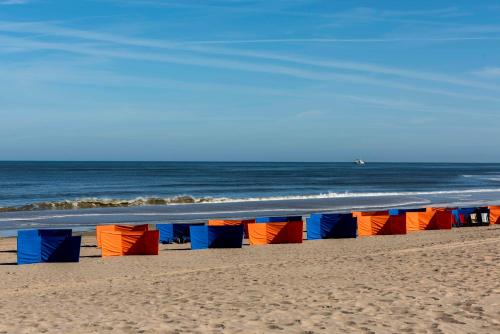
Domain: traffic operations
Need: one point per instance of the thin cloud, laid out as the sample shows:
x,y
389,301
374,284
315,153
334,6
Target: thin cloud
x,y
489,72
287,8
13,2
477,29
194,46
346,40
235,65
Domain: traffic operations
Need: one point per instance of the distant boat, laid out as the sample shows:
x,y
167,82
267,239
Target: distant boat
x,y
359,162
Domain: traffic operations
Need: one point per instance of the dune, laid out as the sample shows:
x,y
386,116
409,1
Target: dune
x,y
423,282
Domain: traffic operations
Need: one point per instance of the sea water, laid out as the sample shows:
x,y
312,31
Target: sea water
x,y
82,194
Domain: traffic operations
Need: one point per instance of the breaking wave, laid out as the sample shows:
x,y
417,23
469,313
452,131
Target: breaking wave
x,y
89,203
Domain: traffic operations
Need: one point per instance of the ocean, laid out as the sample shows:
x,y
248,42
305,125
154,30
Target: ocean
x,y
82,194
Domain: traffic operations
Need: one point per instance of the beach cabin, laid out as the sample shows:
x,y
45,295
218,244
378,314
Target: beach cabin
x,y
203,237
470,216
178,233
430,219
269,230
232,222
117,228
380,224
494,214
47,245
120,243
331,226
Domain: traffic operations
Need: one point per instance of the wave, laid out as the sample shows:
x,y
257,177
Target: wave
x,y
120,217
484,177
90,203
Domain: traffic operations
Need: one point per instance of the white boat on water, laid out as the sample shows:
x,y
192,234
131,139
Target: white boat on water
x,y
359,162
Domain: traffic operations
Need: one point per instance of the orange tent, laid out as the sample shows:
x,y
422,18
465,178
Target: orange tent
x,y
232,222
101,228
119,243
381,224
494,214
431,219
275,233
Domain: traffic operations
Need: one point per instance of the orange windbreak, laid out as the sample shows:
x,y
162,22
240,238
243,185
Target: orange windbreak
x,y
117,228
364,226
413,221
397,224
257,234
381,225
118,243
232,222
431,219
442,220
494,214
101,228
275,233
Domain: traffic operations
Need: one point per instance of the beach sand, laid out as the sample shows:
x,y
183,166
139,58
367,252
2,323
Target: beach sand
x,y
425,282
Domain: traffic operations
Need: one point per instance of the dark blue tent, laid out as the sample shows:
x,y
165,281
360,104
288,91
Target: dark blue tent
x,y
397,212
35,246
203,237
170,233
330,226
278,219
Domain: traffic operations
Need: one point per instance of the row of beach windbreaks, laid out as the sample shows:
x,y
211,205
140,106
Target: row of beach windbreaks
x,y
59,245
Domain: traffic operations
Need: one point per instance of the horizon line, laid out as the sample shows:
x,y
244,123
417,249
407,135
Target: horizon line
x,y
253,161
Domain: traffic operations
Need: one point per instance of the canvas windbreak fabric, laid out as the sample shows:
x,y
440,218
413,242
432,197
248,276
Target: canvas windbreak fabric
x,y
50,245
278,219
369,213
119,243
431,219
117,228
170,233
232,222
326,226
225,236
494,214
61,249
381,225
203,237
275,233
476,216
397,212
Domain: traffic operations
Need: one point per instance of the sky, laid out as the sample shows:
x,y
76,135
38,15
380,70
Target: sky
x,y
250,80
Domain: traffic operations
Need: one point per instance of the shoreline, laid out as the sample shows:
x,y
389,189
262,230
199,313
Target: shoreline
x,y
85,219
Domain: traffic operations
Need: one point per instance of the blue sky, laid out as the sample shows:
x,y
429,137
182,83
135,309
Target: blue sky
x,y
290,80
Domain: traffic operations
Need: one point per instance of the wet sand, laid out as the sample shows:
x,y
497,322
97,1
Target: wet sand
x,y
425,282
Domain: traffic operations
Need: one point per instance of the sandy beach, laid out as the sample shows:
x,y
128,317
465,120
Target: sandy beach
x,y
427,282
